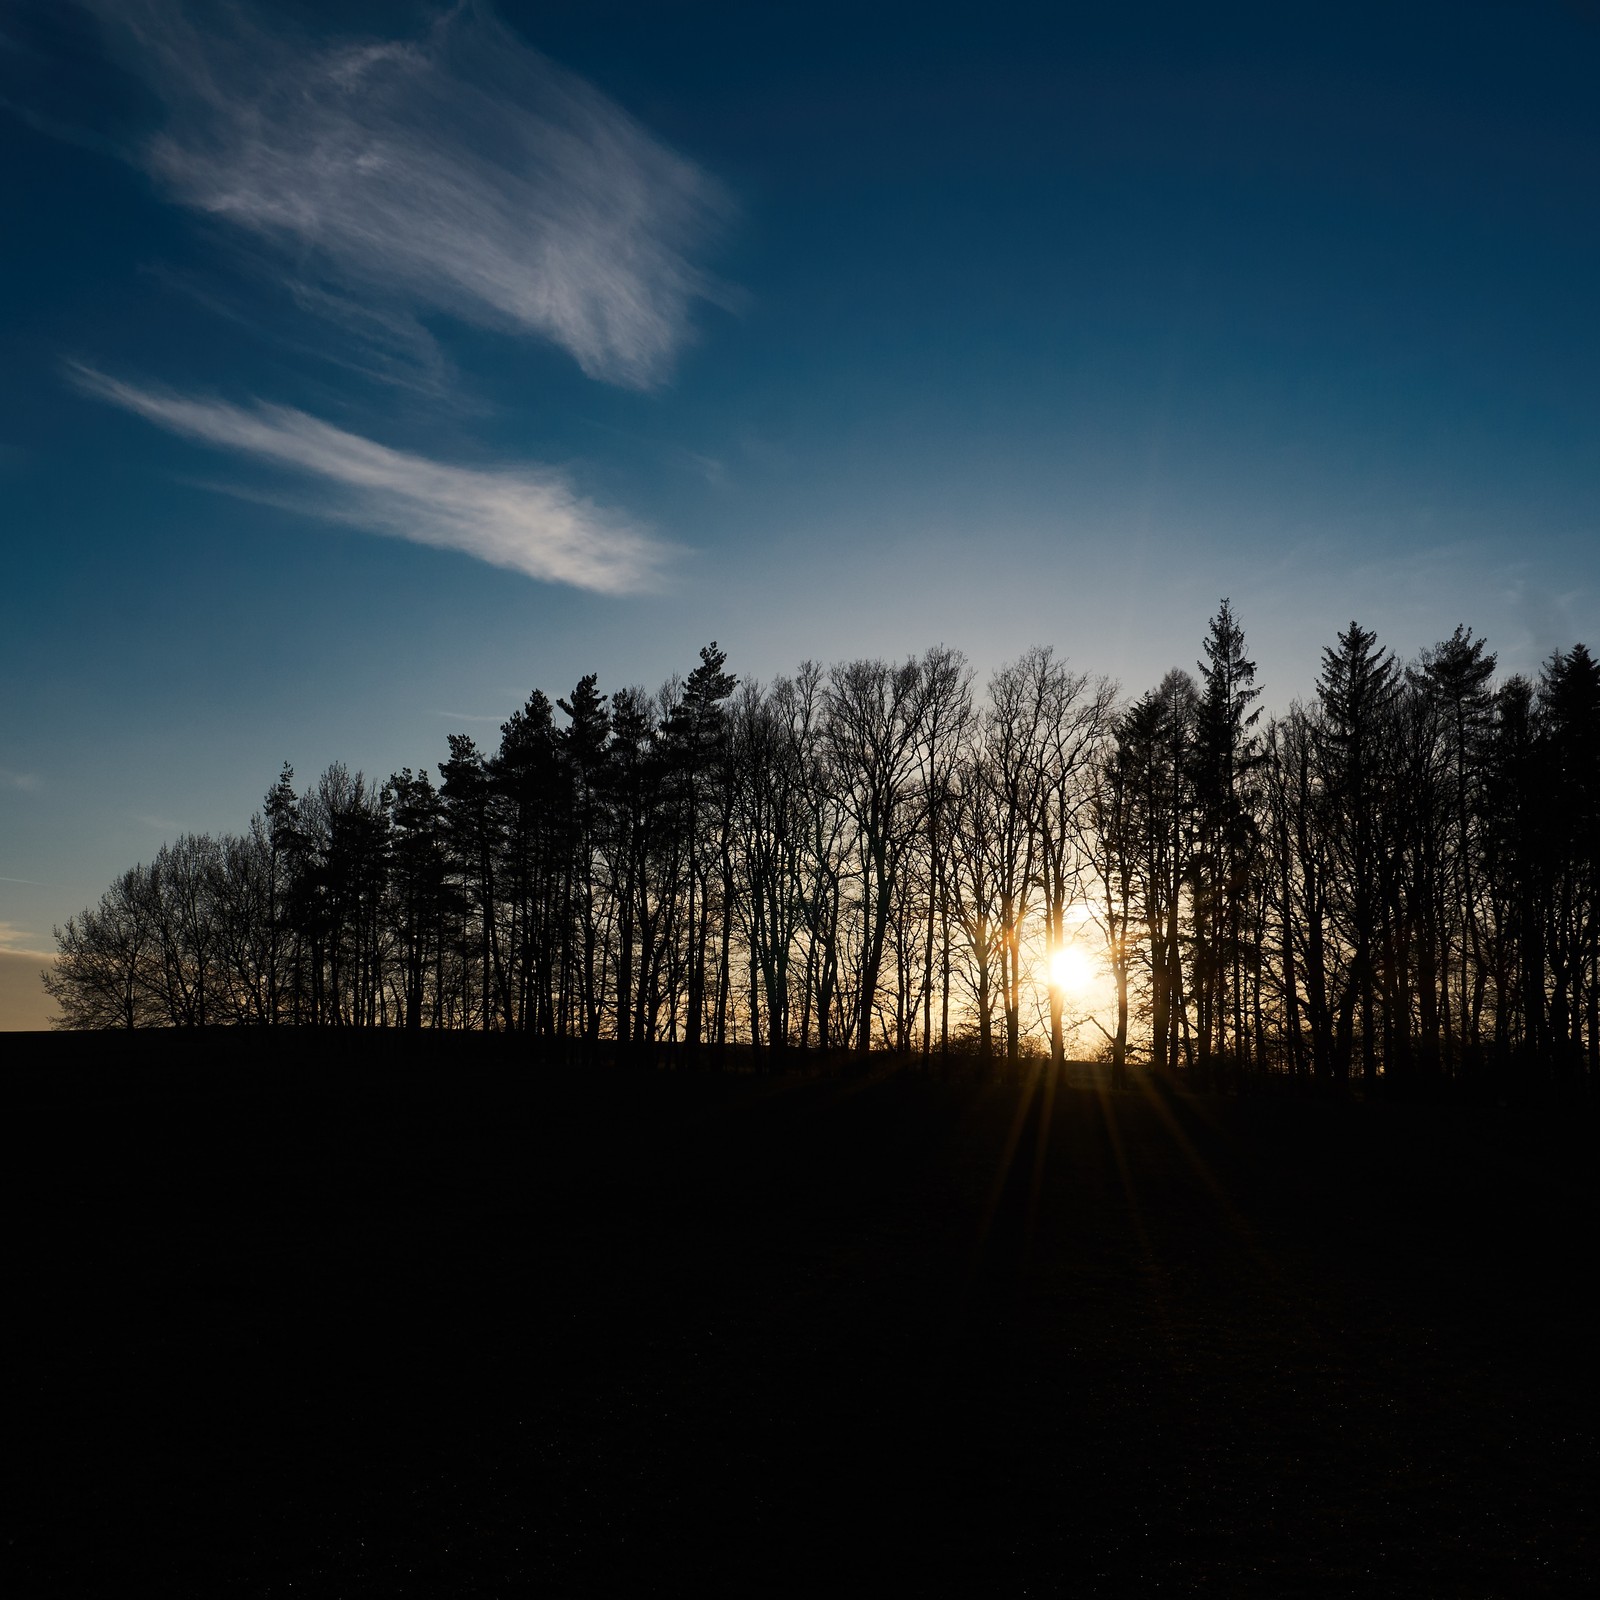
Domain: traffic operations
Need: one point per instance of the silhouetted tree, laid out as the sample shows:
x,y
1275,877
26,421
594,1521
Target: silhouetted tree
x,y
1358,687
1227,755
1400,875
872,732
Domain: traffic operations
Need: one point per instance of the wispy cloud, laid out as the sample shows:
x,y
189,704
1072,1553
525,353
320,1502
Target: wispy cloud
x,y
459,172
528,519
27,782
18,941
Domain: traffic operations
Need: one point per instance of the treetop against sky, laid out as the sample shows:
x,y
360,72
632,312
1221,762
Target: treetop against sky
x,y
1398,879
367,364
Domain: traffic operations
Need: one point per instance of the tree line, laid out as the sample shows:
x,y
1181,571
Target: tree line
x,y
1397,878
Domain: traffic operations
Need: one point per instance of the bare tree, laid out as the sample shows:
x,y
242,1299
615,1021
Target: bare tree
x,y
873,732
1074,721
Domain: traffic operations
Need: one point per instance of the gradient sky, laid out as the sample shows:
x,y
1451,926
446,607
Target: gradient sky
x,y
365,367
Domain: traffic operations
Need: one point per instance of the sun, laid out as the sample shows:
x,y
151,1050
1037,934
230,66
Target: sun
x,y
1070,969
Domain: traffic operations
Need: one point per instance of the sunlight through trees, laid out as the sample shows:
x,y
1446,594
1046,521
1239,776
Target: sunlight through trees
x,y
1397,878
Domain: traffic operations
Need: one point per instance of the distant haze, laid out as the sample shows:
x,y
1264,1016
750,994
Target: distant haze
x,y
23,1002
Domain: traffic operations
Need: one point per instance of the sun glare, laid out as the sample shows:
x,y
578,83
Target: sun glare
x,y
1070,969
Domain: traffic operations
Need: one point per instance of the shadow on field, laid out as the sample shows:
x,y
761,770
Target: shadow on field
x,y
307,1317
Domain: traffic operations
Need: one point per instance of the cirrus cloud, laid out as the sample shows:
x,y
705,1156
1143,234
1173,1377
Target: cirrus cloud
x,y
528,519
458,172
19,941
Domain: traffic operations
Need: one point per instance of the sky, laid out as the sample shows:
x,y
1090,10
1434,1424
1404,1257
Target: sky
x,y
365,366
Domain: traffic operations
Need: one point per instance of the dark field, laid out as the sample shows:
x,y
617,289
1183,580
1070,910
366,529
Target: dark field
x,y
459,1325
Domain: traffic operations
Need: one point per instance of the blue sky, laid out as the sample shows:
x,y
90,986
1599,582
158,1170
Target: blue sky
x,y
365,367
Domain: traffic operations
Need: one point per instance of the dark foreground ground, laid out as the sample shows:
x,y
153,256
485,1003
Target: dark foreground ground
x,y
316,1327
